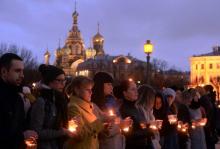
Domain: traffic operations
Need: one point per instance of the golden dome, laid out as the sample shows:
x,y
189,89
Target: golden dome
x,y
98,37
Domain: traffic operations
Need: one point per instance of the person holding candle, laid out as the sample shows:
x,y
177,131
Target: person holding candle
x,y
136,137
206,104
103,98
145,104
49,112
169,139
197,134
160,111
184,122
80,105
12,114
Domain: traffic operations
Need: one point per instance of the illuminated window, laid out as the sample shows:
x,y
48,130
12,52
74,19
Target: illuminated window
x,y
218,66
210,66
196,66
202,66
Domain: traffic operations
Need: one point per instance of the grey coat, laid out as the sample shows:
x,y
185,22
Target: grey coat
x,y
113,139
42,123
197,135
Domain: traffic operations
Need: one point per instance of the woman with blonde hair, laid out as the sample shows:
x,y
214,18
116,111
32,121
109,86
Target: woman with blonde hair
x,y
80,105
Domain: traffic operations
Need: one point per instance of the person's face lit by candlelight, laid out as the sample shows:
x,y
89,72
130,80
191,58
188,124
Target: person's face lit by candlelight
x,y
131,93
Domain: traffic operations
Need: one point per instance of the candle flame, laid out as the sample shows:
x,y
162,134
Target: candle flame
x,y
72,125
126,129
154,127
111,113
30,142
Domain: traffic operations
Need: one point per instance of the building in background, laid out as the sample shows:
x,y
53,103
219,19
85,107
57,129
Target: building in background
x,y
75,59
73,52
205,69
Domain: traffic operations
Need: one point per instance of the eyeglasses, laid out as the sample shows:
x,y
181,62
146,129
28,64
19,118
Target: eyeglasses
x,y
63,81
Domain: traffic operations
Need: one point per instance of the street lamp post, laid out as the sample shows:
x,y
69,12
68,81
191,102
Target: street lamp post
x,y
148,49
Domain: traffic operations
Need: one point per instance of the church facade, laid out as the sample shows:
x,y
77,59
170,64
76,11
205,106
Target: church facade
x,y
74,52
75,59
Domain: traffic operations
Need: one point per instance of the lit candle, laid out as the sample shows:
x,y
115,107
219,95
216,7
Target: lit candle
x,y
193,125
179,126
172,119
153,127
202,122
183,129
126,129
111,113
159,123
143,125
72,125
30,142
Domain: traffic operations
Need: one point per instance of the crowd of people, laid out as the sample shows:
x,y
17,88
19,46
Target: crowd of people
x,y
99,113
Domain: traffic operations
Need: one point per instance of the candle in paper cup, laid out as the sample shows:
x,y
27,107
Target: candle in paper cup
x,y
126,129
172,119
179,125
72,125
185,127
30,142
203,122
153,125
143,125
159,123
193,125
111,113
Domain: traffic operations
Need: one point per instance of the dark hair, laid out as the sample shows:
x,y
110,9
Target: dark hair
x,y
7,58
49,72
160,113
77,82
124,85
103,77
98,96
208,88
117,92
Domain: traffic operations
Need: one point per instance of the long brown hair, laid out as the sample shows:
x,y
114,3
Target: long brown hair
x,y
146,96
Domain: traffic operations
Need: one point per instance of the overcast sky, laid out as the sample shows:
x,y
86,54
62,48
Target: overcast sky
x,y
177,28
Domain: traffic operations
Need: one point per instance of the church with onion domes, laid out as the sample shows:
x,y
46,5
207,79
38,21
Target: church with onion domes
x,y
75,59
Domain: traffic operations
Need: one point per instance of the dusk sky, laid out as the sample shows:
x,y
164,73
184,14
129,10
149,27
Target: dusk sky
x,y
177,28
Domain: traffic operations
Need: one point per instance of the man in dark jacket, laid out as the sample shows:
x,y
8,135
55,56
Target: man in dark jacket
x,y
12,116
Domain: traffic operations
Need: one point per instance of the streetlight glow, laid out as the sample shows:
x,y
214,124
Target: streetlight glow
x,y
148,47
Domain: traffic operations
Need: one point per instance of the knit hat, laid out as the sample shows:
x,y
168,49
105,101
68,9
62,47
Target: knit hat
x,y
103,77
26,90
169,92
49,72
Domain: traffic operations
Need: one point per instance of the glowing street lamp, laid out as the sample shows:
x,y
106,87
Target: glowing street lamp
x,y
148,49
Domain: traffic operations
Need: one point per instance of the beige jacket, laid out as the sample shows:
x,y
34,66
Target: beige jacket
x,y
90,125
